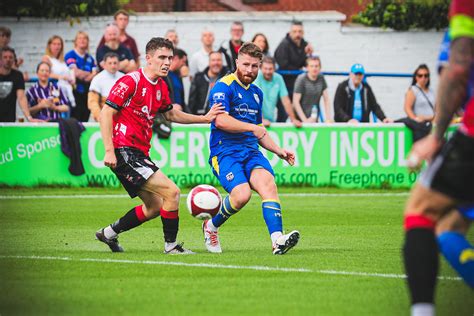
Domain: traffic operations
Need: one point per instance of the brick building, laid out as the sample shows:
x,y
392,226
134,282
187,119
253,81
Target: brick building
x,y
347,7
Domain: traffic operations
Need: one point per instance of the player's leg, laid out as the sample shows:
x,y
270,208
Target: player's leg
x,y
159,185
420,251
263,182
451,231
228,169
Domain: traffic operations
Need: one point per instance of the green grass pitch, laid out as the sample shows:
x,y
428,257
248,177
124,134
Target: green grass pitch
x,y
347,262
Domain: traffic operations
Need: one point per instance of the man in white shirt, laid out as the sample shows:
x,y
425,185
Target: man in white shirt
x,y
102,83
200,59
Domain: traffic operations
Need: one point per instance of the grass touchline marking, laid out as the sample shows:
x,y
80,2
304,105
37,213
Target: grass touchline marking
x,y
223,266
111,196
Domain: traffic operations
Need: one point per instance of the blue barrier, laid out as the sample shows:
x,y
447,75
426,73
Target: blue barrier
x,y
345,73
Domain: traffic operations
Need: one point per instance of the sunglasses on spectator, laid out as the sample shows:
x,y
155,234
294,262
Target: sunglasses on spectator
x,y
423,75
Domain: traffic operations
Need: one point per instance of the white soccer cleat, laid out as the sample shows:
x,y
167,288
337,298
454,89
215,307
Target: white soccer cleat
x,y
285,243
178,250
211,239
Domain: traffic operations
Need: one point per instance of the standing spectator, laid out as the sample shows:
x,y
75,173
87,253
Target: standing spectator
x,y
121,19
174,79
420,99
309,87
102,83
59,70
12,88
85,68
291,55
200,60
261,41
203,82
5,37
274,89
112,44
46,100
230,48
354,99
173,37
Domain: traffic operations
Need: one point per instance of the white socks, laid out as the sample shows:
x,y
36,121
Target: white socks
x,y
109,233
274,236
422,309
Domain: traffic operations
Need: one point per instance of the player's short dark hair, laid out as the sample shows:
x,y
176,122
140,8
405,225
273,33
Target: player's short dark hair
x,y
297,22
268,60
43,63
180,53
8,49
5,31
157,43
121,11
110,55
249,48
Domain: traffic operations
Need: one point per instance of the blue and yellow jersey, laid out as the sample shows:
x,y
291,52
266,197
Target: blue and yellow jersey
x,y
244,103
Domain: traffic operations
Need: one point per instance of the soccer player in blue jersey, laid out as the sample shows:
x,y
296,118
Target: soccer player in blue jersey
x,y
235,157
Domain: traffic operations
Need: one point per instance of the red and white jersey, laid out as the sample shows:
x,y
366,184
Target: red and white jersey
x,y
137,100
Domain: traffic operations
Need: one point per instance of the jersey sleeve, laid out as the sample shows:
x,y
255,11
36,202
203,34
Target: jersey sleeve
x,y
121,92
221,93
70,60
167,105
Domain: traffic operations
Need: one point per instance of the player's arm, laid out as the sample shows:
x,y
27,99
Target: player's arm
x,y
106,126
178,116
267,142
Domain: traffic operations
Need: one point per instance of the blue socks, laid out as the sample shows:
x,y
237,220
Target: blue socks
x,y
225,212
272,214
459,253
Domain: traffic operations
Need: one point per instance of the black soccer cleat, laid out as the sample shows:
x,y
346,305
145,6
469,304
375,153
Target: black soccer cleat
x,y
112,243
286,242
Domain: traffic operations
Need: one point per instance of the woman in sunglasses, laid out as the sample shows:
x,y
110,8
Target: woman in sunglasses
x,y
419,99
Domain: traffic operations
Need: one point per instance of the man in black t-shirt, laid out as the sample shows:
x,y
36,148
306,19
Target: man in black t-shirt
x,y
12,88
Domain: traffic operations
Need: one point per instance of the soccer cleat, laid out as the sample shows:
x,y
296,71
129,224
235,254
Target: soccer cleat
x,y
286,242
112,243
179,250
211,239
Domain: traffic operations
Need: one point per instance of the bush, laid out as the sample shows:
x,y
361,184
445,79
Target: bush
x,y
58,9
402,15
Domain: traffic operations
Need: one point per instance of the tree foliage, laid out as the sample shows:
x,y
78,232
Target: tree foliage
x,y
405,14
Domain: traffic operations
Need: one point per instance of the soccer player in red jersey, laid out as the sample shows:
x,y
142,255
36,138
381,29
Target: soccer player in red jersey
x,y
125,124
448,181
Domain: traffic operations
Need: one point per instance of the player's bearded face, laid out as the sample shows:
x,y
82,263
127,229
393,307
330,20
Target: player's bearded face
x,y
160,61
247,68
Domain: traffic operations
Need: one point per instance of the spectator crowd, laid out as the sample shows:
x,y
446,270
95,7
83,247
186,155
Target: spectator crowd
x,y
76,83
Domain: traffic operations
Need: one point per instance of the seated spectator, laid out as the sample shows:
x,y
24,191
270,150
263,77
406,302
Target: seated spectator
x,y
121,19
5,38
274,89
420,99
175,81
12,88
112,45
231,48
46,100
200,60
261,41
309,87
203,82
84,67
102,83
59,70
354,99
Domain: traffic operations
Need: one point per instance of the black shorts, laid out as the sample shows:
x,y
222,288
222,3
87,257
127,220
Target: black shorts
x,y
133,169
452,170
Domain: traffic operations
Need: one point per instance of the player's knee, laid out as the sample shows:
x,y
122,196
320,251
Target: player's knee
x,y
240,197
175,193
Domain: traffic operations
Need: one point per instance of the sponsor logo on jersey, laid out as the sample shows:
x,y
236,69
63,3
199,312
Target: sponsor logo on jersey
x,y
120,90
123,128
145,110
158,95
243,110
229,176
143,92
240,96
218,96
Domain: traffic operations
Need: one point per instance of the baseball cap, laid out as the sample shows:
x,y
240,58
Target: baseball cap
x,y
357,68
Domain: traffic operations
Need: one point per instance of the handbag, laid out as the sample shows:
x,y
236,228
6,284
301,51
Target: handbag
x,y
419,129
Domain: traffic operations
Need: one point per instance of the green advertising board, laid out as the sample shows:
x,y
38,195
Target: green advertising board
x,y
326,155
